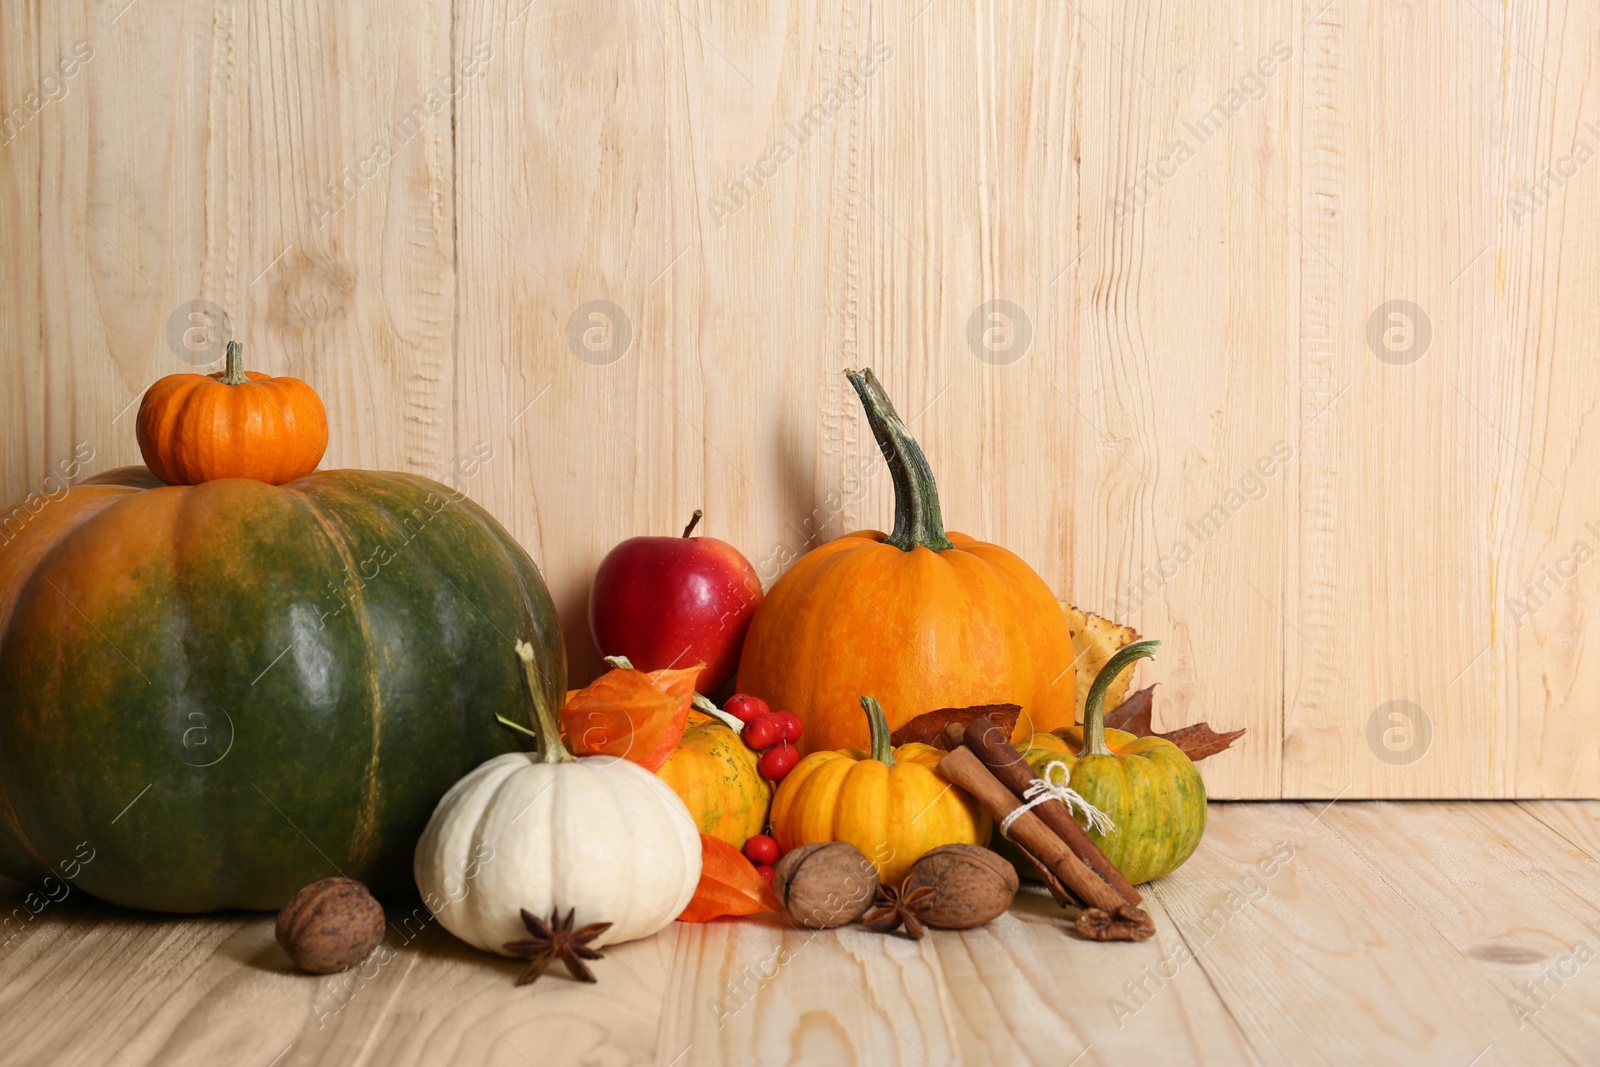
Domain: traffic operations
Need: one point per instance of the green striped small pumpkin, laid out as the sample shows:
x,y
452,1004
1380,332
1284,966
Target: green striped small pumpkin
x,y
1149,790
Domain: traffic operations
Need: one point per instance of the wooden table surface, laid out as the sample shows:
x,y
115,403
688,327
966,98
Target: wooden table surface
x,y
1357,933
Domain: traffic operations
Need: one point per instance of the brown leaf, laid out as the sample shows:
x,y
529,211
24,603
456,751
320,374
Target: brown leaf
x,y
1200,740
1197,741
1133,715
929,727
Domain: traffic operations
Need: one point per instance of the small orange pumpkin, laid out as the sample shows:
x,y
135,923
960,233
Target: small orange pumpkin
x,y
921,619
891,803
197,428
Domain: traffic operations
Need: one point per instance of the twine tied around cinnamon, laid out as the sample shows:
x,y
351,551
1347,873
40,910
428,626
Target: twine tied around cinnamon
x,y
1047,788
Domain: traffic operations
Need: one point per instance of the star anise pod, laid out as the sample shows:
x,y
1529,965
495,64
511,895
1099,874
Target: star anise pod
x,y
558,940
891,908
1127,923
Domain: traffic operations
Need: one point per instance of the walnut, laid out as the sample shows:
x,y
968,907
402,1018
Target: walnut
x,y
971,886
1127,923
826,885
330,925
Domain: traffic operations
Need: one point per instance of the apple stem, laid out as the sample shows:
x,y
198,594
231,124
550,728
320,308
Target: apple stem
x,y
694,520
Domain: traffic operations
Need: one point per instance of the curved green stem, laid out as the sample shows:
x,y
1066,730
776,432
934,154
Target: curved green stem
x,y
233,369
546,729
918,522
878,728
1094,706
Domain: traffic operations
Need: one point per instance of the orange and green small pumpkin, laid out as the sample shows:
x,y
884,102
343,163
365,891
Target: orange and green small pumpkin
x,y
715,773
891,803
1150,792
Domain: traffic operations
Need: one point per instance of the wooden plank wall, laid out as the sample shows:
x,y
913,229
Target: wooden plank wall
x,y
1267,328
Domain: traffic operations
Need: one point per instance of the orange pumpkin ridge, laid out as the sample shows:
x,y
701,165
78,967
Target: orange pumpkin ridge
x,y
195,428
919,617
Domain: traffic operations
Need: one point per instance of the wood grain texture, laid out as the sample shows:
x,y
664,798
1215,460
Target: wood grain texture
x,y
1304,931
1370,933
1117,263
1579,824
1470,872
1447,471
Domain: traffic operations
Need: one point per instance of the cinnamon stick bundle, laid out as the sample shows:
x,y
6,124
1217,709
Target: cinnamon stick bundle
x,y
992,745
1048,850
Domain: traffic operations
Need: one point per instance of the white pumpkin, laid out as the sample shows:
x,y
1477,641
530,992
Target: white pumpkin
x,y
549,832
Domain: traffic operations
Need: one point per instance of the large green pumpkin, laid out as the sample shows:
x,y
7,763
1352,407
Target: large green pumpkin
x,y
229,690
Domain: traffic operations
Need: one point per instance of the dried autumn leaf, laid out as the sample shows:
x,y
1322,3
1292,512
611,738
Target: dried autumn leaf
x,y
1095,640
1200,740
729,885
1133,714
929,727
1197,741
638,715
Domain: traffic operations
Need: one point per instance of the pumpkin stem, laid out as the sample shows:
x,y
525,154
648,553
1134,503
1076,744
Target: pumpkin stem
x,y
918,522
694,520
878,726
1094,706
705,705
551,747
233,369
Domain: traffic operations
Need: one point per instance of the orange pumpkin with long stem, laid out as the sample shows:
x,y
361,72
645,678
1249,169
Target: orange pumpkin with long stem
x,y
236,423
919,618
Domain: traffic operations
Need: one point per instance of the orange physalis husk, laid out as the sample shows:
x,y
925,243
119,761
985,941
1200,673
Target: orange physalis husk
x,y
729,885
638,715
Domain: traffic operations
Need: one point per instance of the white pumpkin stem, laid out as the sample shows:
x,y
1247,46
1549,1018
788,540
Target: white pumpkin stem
x,y
548,731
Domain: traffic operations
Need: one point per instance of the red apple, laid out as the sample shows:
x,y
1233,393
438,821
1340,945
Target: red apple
x,y
674,602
